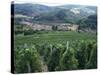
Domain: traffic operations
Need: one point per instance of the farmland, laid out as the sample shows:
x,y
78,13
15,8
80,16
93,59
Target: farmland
x,y
53,37
55,51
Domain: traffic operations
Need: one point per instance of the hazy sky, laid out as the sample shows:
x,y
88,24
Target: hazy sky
x,y
59,2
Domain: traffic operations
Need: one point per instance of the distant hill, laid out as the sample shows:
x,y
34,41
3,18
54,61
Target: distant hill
x,y
35,13
30,9
65,13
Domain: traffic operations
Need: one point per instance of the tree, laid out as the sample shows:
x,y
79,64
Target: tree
x,y
28,61
68,60
55,57
89,22
54,28
92,62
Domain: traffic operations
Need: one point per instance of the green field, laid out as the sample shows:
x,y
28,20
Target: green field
x,y
55,51
53,37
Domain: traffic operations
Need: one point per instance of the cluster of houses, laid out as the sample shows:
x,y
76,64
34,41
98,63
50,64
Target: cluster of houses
x,y
59,26
71,27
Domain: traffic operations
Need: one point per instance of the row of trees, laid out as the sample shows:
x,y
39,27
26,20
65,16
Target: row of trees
x,y
19,30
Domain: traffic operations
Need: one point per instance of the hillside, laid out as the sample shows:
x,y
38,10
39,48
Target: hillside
x,y
37,13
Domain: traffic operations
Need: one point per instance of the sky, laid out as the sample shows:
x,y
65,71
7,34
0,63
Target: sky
x,y
59,2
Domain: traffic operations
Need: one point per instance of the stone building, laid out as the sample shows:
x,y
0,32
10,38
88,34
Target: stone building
x,y
73,27
62,27
41,27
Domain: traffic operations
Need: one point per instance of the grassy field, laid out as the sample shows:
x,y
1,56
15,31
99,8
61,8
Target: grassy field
x,y
53,37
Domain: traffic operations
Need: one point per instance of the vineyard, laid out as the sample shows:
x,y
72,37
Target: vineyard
x,y
55,52
55,37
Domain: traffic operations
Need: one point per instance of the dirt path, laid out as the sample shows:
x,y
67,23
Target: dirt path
x,y
44,66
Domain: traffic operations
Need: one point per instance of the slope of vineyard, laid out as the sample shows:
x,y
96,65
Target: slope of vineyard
x,y
68,56
52,37
55,51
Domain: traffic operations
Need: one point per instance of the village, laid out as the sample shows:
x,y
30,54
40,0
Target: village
x,y
51,26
